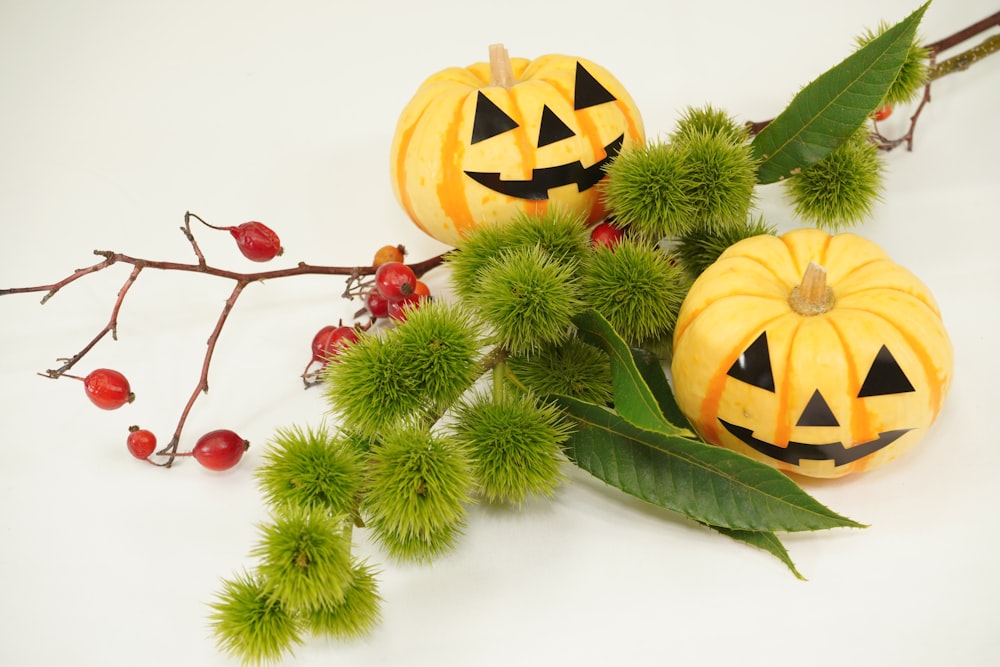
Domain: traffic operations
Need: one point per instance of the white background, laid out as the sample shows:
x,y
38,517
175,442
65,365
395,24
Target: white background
x,y
117,117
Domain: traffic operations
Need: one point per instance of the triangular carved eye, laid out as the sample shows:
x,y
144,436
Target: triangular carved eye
x,y
552,129
754,365
885,377
588,91
817,413
490,120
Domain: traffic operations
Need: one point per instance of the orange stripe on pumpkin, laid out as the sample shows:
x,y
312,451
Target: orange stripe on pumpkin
x,y
860,421
453,199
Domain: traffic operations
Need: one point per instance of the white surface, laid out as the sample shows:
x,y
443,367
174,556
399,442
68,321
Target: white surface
x,y
119,116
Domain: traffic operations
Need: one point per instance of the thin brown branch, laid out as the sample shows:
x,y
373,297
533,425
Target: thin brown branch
x,y
964,34
111,327
170,451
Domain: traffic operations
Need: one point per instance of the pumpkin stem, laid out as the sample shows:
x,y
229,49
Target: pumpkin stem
x,y
501,72
812,296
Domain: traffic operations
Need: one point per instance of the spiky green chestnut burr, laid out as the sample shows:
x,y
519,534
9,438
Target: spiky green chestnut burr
x,y
367,388
637,288
571,368
249,624
353,617
527,298
707,120
305,558
312,468
646,190
514,442
720,177
561,236
840,190
439,344
419,483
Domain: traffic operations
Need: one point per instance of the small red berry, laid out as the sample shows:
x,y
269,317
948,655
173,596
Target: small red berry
x,y
330,340
605,235
399,309
219,450
377,305
141,443
388,253
107,389
883,113
256,241
395,280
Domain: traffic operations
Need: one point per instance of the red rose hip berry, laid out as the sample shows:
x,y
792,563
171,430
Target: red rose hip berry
x,y
257,241
395,281
883,113
107,389
605,235
141,443
219,450
330,340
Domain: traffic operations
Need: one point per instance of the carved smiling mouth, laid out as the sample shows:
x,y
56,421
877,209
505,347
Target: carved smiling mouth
x,y
546,178
796,452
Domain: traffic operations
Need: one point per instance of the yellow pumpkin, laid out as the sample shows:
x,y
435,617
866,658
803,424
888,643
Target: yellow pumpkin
x,y
814,353
489,141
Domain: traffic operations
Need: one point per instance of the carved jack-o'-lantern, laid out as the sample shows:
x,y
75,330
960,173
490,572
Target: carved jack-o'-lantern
x,y
492,140
814,353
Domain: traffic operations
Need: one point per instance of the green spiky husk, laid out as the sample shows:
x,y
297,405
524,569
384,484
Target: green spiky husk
x,y
571,368
366,387
637,288
311,468
840,190
527,298
707,120
439,344
514,442
560,235
646,189
356,615
418,486
305,558
249,624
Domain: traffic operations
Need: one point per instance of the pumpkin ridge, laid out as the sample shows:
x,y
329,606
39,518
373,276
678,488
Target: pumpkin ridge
x,y
783,389
860,419
525,145
400,182
454,202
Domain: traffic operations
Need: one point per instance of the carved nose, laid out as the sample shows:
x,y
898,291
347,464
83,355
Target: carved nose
x,y
817,413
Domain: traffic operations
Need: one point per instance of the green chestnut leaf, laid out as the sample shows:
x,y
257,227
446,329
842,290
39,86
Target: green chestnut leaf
x,y
705,483
634,398
831,108
765,540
